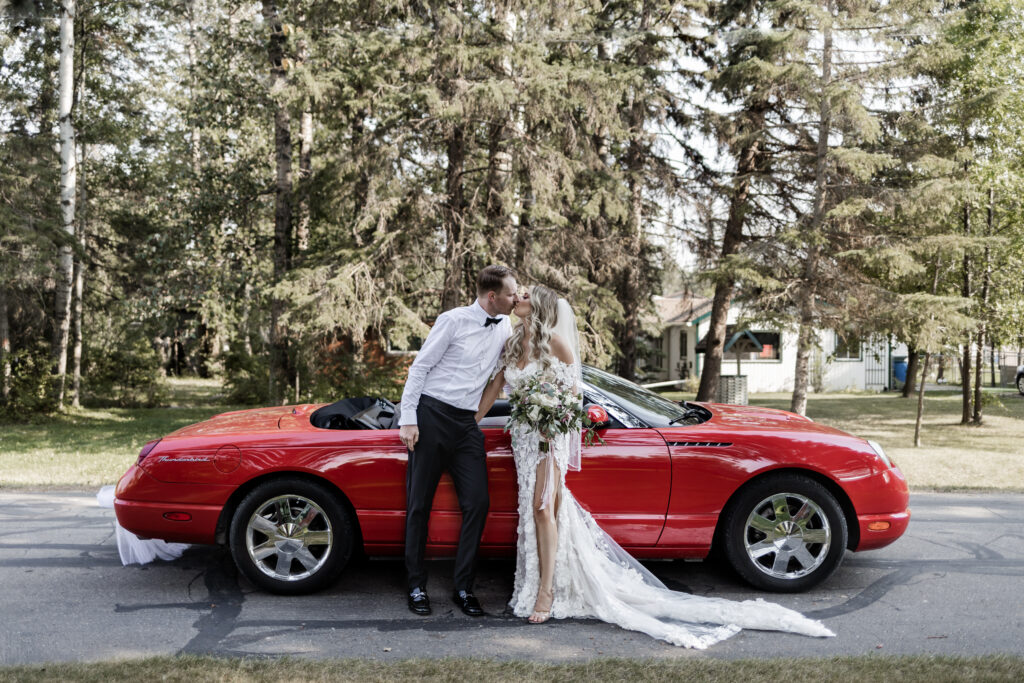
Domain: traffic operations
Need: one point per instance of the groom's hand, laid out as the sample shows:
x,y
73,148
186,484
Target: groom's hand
x,y
409,435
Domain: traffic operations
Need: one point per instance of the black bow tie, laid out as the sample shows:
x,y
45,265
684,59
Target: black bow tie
x,y
492,321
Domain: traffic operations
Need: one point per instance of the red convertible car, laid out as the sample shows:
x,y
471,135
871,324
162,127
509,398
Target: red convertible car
x,y
295,490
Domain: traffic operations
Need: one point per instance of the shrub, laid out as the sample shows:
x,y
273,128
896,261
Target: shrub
x,y
342,369
246,376
332,369
31,387
128,372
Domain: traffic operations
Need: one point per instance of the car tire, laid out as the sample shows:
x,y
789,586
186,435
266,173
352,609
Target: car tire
x,y
291,536
1020,384
785,533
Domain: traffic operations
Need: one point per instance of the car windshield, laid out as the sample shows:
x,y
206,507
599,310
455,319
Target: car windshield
x,y
642,403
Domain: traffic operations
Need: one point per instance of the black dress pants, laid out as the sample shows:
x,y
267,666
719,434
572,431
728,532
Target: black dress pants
x,y
449,440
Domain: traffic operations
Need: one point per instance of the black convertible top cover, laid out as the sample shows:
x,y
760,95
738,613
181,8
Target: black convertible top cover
x,y
365,412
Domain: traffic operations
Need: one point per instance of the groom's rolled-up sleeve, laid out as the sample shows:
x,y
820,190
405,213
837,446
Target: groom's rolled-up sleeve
x,y
429,355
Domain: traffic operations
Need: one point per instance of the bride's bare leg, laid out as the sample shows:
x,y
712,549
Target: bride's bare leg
x,y
547,540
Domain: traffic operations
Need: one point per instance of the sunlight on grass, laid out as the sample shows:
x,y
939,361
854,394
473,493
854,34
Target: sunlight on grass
x,y
90,447
953,456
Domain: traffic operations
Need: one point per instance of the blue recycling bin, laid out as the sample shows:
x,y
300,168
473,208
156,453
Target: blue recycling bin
x,y
899,369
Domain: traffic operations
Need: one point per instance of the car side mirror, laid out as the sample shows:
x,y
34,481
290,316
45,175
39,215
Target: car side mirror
x,y
598,416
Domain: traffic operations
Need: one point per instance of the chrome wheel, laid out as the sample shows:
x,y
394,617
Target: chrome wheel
x,y
289,538
784,532
1020,384
787,536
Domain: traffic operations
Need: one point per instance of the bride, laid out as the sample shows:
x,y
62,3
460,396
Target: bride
x,y
566,565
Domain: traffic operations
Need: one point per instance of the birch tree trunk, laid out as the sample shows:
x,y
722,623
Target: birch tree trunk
x,y
79,265
920,402
195,135
305,174
924,368
68,182
801,372
302,224
966,292
986,279
305,165
77,306
979,358
805,340
76,337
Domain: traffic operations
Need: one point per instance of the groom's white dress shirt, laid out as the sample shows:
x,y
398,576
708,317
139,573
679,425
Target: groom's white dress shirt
x,y
456,361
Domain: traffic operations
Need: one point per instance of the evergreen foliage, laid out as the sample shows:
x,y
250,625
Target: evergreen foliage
x,y
287,193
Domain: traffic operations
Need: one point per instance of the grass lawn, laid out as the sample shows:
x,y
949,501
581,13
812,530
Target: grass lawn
x,y
952,456
917,669
91,447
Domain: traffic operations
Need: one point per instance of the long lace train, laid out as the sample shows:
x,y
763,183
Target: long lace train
x,y
595,578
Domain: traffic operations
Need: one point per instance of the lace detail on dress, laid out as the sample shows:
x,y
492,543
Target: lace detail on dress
x,y
595,578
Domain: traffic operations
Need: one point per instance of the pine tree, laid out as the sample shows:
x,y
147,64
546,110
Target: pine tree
x,y
748,72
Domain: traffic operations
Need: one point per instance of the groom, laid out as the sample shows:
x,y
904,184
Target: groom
x,y
438,426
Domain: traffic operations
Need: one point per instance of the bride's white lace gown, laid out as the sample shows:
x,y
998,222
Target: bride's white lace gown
x,y
596,578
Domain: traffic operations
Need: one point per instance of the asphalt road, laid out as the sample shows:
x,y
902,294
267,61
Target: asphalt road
x,y
952,585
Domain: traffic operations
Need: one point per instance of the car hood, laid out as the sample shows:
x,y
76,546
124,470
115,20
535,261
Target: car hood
x,y
729,416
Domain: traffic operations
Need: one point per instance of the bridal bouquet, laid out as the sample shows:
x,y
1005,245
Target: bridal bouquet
x,y
541,404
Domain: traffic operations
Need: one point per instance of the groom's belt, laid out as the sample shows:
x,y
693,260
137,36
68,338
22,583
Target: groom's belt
x,y
445,408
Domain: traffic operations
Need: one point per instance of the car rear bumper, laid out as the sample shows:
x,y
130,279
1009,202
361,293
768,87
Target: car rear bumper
x,y
181,513
198,523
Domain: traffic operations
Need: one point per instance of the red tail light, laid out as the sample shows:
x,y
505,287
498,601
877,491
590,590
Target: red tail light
x,y
146,450
178,516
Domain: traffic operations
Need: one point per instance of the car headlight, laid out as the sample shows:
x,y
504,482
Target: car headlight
x,y
877,448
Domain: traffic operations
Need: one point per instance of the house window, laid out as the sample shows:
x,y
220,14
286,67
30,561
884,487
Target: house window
x,y
651,356
771,346
848,346
746,346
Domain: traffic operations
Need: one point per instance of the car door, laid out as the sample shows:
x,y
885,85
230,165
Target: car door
x,y
708,468
625,484
502,518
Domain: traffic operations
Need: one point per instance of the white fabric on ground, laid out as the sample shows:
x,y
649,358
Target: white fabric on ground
x,y
131,548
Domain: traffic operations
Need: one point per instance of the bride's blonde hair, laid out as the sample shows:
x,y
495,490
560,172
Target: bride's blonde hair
x,y
543,316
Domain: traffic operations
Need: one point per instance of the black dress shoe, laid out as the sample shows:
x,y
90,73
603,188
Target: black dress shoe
x,y
419,603
468,603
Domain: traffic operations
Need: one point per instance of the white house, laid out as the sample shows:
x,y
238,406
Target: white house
x,y
766,354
